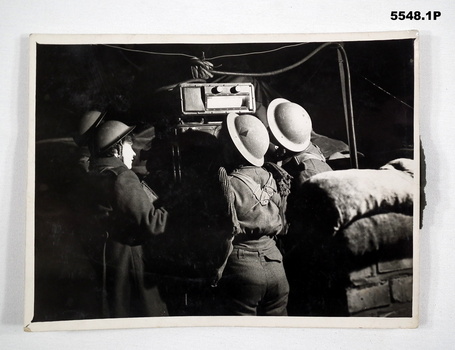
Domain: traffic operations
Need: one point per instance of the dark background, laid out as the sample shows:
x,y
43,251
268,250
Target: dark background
x,y
72,79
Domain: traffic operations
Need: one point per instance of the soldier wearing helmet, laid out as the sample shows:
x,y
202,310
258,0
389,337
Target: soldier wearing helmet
x,y
253,281
290,129
87,125
84,135
121,208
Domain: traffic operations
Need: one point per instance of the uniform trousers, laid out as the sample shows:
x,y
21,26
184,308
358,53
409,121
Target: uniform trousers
x,y
254,282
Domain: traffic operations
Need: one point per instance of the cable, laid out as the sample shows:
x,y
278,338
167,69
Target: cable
x,y
149,52
209,58
275,72
204,61
205,67
388,93
345,77
255,52
245,74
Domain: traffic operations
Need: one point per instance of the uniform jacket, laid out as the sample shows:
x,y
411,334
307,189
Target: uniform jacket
x,y
305,164
256,218
119,198
117,204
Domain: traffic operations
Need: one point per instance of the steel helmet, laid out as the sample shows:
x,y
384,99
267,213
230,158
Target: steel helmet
x,y
290,124
249,136
88,123
108,134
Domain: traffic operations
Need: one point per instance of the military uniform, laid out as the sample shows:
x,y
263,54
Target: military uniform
x,y
254,281
301,167
122,208
305,164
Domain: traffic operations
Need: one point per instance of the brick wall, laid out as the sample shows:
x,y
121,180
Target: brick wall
x,y
328,280
381,289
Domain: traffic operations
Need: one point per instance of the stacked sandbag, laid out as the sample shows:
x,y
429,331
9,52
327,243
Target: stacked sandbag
x,y
355,233
340,197
369,234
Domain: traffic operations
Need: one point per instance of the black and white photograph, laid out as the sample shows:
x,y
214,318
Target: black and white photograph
x,y
187,180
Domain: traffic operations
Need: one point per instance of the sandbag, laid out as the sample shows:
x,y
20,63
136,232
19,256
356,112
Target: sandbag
x,y
379,231
339,197
403,164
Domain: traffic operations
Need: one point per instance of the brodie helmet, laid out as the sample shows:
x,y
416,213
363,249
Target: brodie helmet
x,y
87,125
290,124
249,136
108,134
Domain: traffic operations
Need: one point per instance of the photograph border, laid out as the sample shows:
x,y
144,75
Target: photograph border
x,y
213,321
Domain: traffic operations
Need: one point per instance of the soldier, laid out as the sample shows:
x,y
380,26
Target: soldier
x,y
119,206
84,135
253,281
290,128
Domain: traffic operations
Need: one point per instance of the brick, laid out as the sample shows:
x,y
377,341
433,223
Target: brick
x,y
360,299
392,310
362,276
401,289
394,265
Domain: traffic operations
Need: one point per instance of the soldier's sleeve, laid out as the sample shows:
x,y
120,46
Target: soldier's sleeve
x,y
135,205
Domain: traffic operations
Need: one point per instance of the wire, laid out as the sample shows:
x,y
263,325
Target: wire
x,y
275,72
150,52
388,93
256,52
202,62
210,58
346,91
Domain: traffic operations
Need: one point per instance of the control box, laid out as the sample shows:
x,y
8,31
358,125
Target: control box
x,y
214,98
